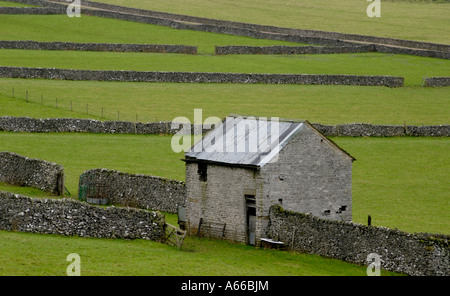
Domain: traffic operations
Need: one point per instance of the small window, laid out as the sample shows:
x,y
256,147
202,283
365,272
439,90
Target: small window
x,y
202,172
250,200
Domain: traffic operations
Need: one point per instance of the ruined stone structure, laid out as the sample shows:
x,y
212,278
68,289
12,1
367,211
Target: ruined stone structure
x,y
231,182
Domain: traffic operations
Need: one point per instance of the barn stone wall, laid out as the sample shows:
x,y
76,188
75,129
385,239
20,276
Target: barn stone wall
x,y
218,202
19,170
417,254
310,175
74,218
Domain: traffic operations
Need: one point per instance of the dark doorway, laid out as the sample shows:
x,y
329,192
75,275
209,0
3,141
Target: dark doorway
x,y
250,202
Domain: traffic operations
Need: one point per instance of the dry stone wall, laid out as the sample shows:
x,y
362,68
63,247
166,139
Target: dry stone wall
x,y
199,77
56,125
234,49
412,51
140,191
32,10
418,254
74,218
19,170
437,81
374,130
118,47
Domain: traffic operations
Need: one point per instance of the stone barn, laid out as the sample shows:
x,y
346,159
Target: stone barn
x,y
245,165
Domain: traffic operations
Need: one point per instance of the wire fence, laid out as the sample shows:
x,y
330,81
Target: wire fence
x,y
83,110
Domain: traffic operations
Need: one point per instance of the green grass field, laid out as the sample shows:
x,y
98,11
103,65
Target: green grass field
x,y
26,254
412,68
413,20
165,101
96,29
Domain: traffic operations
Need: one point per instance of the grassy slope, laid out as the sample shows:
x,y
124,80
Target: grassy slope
x,y
400,19
165,101
92,29
401,182
392,179
36,254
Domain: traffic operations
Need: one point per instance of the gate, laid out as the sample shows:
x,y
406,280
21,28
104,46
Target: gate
x,y
174,236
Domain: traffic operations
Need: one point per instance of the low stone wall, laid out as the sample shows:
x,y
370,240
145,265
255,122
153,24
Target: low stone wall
x,y
116,47
32,10
139,191
412,51
234,49
413,254
74,218
19,170
58,125
199,77
436,81
31,2
373,130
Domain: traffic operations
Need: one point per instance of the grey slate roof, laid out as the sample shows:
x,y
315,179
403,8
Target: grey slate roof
x,y
245,141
